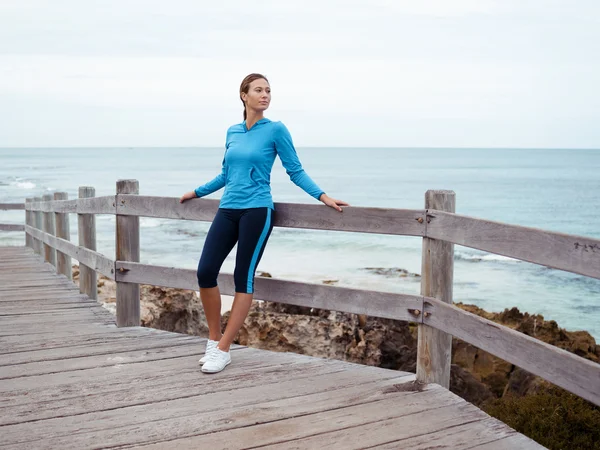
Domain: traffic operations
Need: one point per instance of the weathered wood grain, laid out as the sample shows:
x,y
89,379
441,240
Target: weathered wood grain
x,y
28,221
12,206
49,228
313,392
127,249
63,231
290,215
72,379
372,303
38,225
12,227
86,229
434,347
565,369
86,257
572,253
83,205
458,437
374,422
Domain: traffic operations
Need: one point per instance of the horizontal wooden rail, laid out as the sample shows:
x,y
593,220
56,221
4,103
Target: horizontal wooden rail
x,y
11,206
90,258
567,370
407,222
356,301
558,250
93,205
11,227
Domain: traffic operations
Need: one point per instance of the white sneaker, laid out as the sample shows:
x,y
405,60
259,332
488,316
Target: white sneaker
x,y
210,346
217,361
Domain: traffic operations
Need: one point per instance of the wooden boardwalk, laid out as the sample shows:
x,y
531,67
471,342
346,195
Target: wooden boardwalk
x,y
69,378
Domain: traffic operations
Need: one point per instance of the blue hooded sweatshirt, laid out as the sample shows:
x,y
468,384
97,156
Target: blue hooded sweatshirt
x,y
249,157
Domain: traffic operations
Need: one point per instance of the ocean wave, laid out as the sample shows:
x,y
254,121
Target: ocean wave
x,y
483,257
23,184
150,222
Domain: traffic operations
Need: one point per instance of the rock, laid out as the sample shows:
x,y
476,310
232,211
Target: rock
x,y
332,282
522,383
263,274
391,272
465,385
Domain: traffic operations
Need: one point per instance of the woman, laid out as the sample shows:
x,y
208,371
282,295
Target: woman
x,y
245,212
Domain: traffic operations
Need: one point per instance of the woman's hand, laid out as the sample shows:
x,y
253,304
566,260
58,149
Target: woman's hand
x,y
187,196
332,202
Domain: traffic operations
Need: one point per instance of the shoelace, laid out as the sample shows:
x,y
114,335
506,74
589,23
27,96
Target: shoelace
x,y
214,355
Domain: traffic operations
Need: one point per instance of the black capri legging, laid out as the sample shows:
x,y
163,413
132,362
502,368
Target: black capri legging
x,y
251,229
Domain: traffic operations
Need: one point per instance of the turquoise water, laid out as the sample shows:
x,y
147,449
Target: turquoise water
x,y
556,190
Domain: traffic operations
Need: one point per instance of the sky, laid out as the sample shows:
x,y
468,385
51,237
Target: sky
x,y
371,73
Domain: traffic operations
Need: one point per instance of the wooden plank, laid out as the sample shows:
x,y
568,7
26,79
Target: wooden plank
x,y
461,436
26,343
131,344
93,205
39,294
48,329
88,258
357,301
577,254
161,382
434,347
12,206
28,221
415,428
37,224
12,227
86,229
569,371
38,308
316,391
35,283
63,231
32,341
50,229
516,441
156,350
128,249
400,414
403,222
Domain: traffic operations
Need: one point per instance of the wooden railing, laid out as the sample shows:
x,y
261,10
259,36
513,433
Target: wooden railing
x,y
47,233
12,226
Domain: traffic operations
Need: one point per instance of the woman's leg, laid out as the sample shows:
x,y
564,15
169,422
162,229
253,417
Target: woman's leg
x,y
221,238
254,231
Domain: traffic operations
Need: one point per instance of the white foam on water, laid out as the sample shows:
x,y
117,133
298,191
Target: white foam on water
x,y
23,184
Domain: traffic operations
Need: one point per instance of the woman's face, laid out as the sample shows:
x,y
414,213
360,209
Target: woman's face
x,y
258,97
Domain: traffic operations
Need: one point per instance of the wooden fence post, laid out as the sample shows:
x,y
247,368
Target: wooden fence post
x,y
37,224
49,228
128,249
28,221
434,349
63,231
86,229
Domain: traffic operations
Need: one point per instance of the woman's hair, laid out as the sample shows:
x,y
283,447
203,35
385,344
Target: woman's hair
x,y
245,86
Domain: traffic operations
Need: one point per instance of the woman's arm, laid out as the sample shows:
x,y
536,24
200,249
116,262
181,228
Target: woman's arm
x,y
213,185
289,158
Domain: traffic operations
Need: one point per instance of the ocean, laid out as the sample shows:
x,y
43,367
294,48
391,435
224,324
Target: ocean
x,y
551,189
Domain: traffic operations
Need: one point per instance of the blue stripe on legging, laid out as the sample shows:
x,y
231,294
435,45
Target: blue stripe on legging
x,y
261,241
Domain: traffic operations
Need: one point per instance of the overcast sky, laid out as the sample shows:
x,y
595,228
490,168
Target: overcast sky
x,y
459,73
